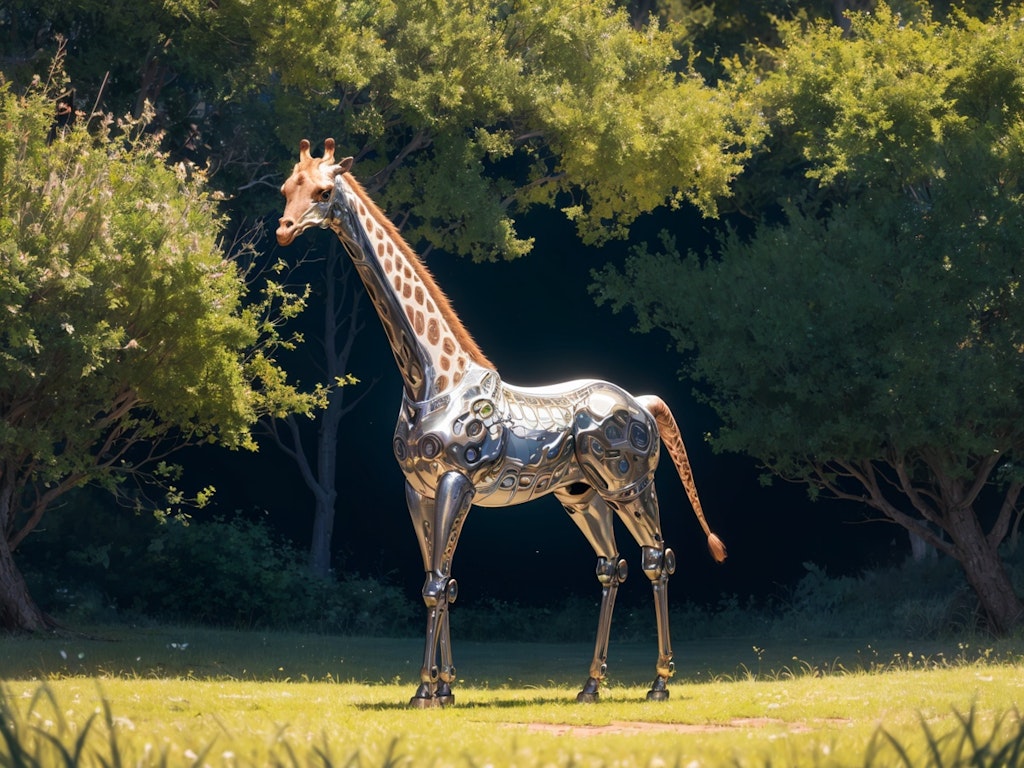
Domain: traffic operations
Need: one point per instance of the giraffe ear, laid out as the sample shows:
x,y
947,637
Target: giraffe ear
x,y
344,166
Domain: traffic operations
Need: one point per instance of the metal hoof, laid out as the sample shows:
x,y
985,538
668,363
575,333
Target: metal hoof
x,y
425,702
589,693
424,698
443,694
659,690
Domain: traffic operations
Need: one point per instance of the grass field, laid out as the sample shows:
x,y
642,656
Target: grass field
x,y
185,696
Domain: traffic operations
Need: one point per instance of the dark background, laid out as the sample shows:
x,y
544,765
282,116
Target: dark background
x,y
535,319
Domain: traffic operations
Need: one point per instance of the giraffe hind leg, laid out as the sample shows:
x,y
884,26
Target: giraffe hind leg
x,y
641,517
592,515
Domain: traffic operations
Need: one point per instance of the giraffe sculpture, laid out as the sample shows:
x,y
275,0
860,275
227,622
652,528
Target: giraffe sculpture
x,y
464,437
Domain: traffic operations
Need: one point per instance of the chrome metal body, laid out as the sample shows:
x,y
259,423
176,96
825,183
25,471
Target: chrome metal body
x,y
464,437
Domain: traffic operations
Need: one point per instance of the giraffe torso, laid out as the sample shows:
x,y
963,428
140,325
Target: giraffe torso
x,y
515,444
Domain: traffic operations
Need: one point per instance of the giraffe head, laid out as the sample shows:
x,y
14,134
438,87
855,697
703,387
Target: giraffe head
x,y
308,191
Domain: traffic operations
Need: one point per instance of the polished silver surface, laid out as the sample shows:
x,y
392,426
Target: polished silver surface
x,y
464,437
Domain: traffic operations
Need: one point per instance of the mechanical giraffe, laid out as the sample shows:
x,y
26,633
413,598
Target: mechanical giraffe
x,y
464,437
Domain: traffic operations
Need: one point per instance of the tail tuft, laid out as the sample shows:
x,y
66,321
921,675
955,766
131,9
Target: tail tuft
x,y
716,547
673,440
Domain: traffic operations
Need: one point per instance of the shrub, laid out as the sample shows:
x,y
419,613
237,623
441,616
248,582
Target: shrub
x,y
94,562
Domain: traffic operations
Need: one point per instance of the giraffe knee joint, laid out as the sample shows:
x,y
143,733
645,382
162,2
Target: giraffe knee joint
x,y
611,572
658,563
439,589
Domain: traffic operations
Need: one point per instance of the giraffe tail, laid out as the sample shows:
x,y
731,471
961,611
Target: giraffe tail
x,y
673,440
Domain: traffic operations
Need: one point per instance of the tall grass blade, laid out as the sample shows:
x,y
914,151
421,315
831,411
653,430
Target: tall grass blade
x,y
391,759
900,749
70,759
934,743
16,756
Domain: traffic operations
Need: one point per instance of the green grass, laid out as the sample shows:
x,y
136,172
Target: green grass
x,y
186,696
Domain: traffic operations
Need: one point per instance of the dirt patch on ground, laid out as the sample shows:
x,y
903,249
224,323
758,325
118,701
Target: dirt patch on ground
x,y
630,726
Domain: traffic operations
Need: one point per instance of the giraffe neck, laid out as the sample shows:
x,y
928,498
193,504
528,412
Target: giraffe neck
x,y
432,348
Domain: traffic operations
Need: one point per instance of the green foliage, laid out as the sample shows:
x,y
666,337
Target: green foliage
x,y
94,562
461,116
885,309
913,600
127,330
508,106
867,339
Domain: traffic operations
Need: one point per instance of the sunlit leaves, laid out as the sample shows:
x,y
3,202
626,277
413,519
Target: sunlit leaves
x,y
463,116
878,312
125,325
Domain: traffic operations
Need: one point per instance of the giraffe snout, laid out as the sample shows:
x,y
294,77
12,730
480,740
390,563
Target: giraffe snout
x,y
285,231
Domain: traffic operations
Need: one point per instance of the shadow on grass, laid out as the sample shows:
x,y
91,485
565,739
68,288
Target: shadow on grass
x,y
465,703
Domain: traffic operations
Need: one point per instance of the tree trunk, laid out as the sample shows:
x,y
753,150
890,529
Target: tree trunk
x,y
18,611
920,548
323,530
325,493
341,327
984,571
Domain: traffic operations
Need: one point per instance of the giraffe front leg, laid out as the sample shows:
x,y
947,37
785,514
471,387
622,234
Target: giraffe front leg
x,y
446,676
439,523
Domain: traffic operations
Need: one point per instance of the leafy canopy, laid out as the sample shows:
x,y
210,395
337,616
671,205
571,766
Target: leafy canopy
x,y
462,114
880,314
126,329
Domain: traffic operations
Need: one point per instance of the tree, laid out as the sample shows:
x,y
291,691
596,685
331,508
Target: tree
x,y
340,302
869,340
126,330
462,116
